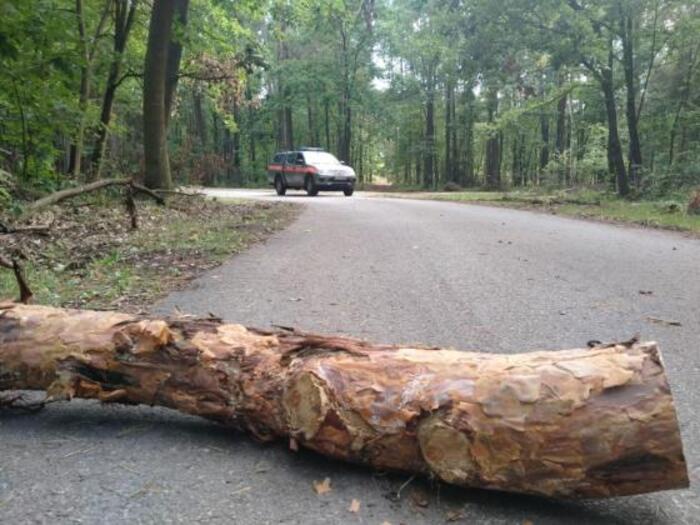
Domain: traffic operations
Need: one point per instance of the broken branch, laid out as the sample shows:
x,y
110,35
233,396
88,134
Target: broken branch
x,y
585,423
69,193
25,293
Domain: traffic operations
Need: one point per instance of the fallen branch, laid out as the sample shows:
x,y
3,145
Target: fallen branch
x,y
587,423
69,193
25,293
30,228
181,193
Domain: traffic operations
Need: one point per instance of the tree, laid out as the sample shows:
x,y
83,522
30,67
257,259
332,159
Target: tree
x,y
124,16
160,79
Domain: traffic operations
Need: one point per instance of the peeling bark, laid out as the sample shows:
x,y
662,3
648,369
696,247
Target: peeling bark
x,y
585,423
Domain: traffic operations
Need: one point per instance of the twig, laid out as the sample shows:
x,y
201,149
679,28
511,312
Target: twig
x,y
31,228
405,484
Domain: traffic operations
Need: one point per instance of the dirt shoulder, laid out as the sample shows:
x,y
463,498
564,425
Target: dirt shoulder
x,y
91,258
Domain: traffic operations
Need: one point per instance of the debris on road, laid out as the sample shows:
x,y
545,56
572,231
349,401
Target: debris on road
x,y
507,422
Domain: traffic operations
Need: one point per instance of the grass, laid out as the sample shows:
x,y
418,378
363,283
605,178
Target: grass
x,y
664,214
130,270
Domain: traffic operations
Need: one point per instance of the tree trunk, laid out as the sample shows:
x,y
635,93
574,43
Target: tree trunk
x,y
635,148
124,13
155,110
492,165
238,176
615,157
587,423
175,46
449,148
327,123
560,139
468,176
429,159
544,146
200,122
87,51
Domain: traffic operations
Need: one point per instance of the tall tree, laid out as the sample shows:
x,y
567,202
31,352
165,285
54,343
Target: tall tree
x,y
155,82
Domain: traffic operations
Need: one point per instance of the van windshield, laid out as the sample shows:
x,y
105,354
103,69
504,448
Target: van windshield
x,y
320,157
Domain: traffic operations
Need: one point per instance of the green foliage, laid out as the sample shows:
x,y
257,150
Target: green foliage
x,y
359,78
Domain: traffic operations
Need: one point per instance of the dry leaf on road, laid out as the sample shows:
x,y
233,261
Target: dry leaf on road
x,y
322,487
354,506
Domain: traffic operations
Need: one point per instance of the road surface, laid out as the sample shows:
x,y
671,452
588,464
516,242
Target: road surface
x,y
391,270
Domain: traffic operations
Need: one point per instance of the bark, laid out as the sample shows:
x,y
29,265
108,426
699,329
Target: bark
x,y
586,423
155,114
124,13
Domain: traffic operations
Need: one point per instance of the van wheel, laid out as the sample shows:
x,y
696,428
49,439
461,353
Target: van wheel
x,y
349,191
280,186
310,186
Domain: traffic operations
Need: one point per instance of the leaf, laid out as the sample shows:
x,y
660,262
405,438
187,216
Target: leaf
x,y
454,515
420,498
322,487
354,506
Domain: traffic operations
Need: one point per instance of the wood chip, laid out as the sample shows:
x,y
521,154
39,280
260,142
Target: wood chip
x,y
322,487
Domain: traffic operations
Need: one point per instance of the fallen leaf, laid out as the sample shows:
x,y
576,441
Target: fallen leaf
x,y
385,523
322,487
354,506
295,299
645,292
420,498
527,522
454,515
666,322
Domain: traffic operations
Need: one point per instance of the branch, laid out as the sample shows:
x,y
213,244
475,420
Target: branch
x,y
62,195
25,293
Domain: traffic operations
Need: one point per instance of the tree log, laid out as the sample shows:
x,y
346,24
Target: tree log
x,y
585,423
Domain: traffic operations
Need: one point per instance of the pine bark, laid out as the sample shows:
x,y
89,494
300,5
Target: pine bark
x,y
586,423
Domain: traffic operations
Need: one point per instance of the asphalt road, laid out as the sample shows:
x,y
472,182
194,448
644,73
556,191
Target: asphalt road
x,y
390,270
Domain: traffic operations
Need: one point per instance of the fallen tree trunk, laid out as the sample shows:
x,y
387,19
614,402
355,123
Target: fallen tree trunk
x,y
576,423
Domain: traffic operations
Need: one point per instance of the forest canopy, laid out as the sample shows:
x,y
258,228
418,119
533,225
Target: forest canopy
x,y
423,93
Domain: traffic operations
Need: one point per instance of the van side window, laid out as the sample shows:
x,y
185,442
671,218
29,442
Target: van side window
x,y
278,158
291,158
